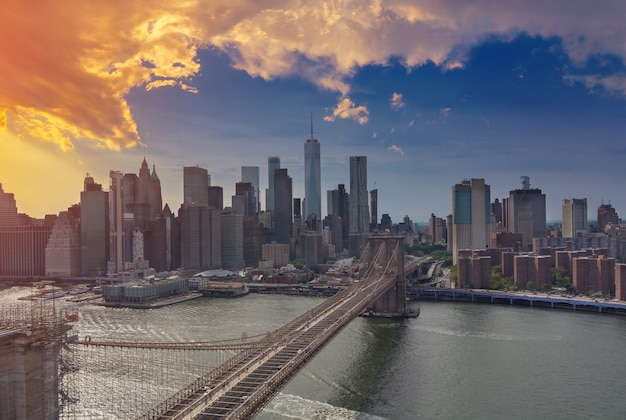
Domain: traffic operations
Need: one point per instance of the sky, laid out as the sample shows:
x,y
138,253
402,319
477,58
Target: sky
x,y
432,92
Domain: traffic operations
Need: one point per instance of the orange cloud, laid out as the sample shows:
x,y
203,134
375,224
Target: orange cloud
x,y
347,109
67,65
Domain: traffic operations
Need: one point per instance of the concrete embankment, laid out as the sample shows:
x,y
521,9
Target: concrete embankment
x,y
519,298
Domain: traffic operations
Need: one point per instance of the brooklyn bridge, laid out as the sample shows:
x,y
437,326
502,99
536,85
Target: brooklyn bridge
x,y
236,378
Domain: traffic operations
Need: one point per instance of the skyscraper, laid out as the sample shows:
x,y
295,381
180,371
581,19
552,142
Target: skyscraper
x,y
116,224
312,182
196,182
526,213
359,208
273,163
574,217
359,205
94,229
374,208
283,195
606,215
471,215
251,174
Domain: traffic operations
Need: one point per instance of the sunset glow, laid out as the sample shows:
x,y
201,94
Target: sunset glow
x,y
93,86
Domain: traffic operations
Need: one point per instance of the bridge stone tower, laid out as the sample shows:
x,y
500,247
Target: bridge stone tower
x,y
387,253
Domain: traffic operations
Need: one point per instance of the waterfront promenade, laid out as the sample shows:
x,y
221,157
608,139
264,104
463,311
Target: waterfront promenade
x,y
533,299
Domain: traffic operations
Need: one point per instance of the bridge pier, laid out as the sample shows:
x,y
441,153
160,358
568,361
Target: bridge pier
x,y
387,253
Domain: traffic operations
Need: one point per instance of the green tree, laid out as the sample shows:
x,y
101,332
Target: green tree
x,y
561,278
454,273
530,285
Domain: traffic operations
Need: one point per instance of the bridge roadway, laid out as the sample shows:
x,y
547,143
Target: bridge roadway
x,y
250,379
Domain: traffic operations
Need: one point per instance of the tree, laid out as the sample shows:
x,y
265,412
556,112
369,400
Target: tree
x,y
530,285
454,273
561,278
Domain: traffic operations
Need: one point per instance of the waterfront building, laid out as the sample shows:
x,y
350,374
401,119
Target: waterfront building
x,y
8,209
273,163
196,183
620,281
532,271
22,249
526,213
251,174
94,229
63,249
606,216
312,180
574,217
594,274
471,217
283,196
473,272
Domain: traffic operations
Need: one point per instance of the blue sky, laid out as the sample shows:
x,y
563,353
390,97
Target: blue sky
x,y
431,93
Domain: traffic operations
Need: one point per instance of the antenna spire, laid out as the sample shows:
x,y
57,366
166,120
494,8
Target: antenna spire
x,y
311,125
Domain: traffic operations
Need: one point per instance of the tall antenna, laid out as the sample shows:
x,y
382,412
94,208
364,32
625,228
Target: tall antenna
x,y
311,125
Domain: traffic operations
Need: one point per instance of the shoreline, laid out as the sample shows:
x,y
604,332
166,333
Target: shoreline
x,y
519,299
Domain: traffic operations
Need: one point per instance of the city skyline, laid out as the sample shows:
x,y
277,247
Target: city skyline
x,y
431,93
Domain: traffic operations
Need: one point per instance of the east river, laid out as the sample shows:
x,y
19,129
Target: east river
x,y
455,361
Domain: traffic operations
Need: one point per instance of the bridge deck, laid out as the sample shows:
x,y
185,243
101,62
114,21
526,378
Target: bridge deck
x,y
259,372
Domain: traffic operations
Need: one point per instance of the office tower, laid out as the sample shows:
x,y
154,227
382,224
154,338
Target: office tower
x,y
496,210
312,182
116,224
574,217
471,215
526,213
216,197
283,195
606,215
359,208
251,241
251,174
94,229
273,163
196,183
341,208
437,229
232,239
200,237
63,249
374,207
8,209
162,242
246,190
149,191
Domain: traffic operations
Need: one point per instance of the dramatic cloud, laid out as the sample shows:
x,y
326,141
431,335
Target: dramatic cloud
x,y
396,101
67,65
347,109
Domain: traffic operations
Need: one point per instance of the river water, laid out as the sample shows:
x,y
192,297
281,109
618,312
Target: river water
x,y
455,361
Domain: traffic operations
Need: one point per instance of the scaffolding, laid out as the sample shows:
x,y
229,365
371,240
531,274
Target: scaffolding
x,y
32,337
